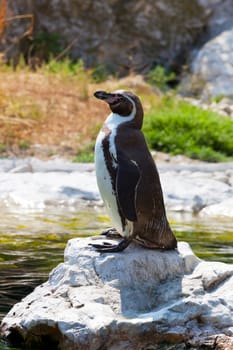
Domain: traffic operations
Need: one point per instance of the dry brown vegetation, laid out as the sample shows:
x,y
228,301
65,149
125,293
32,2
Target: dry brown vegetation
x,y
56,113
50,111
43,109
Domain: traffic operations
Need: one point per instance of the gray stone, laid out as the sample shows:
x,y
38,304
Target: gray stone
x,y
118,301
213,67
24,168
191,192
220,17
211,60
223,209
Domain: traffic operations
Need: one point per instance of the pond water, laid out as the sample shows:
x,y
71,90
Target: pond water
x,y
32,243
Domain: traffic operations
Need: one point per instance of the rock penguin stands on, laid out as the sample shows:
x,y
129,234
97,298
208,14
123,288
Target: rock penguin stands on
x,y
128,179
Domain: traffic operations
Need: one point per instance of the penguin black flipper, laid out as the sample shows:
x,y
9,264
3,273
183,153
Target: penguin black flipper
x,y
128,176
106,247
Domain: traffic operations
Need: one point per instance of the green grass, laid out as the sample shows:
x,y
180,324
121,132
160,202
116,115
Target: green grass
x,y
177,127
86,153
65,67
86,157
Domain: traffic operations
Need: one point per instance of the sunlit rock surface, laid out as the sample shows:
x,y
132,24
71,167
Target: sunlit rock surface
x,y
223,209
213,66
123,300
33,184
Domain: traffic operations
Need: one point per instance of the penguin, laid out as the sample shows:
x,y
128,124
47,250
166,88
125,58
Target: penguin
x,y
128,179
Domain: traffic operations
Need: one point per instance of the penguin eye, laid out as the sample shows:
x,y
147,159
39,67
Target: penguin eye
x,y
118,99
121,105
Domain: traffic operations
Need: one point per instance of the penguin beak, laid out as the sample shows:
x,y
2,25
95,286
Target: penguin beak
x,y
107,97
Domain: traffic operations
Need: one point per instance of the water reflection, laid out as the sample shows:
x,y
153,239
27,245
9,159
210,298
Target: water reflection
x,y
210,239
33,243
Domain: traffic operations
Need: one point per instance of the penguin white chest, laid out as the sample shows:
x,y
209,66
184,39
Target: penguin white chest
x,y
104,180
104,165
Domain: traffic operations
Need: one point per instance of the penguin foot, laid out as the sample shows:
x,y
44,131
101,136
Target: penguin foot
x,y
111,248
111,233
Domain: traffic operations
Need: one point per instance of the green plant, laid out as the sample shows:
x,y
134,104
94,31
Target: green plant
x,y
99,74
24,108
83,79
45,45
2,147
24,144
159,77
178,127
65,67
72,72
84,158
217,98
86,153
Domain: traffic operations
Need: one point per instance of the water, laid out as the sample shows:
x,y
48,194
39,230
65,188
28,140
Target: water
x,y
32,243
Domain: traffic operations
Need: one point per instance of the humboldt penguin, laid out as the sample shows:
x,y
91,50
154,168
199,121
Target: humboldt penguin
x,y
128,179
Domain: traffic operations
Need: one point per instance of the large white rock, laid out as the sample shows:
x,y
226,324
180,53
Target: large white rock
x,y
223,209
213,66
126,300
192,191
37,185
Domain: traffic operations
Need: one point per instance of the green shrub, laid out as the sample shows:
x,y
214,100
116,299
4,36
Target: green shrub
x,y
86,153
24,144
84,158
217,98
66,67
159,77
178,127
99,74
46,44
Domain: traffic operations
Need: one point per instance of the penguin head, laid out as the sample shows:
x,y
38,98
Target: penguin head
x,y
123,103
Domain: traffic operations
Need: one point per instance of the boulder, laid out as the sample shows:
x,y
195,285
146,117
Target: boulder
x,y
220,17
212,67
192,192
130,300
223,209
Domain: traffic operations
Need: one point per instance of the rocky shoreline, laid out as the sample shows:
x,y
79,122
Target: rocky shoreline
x,y
92,301
199,188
